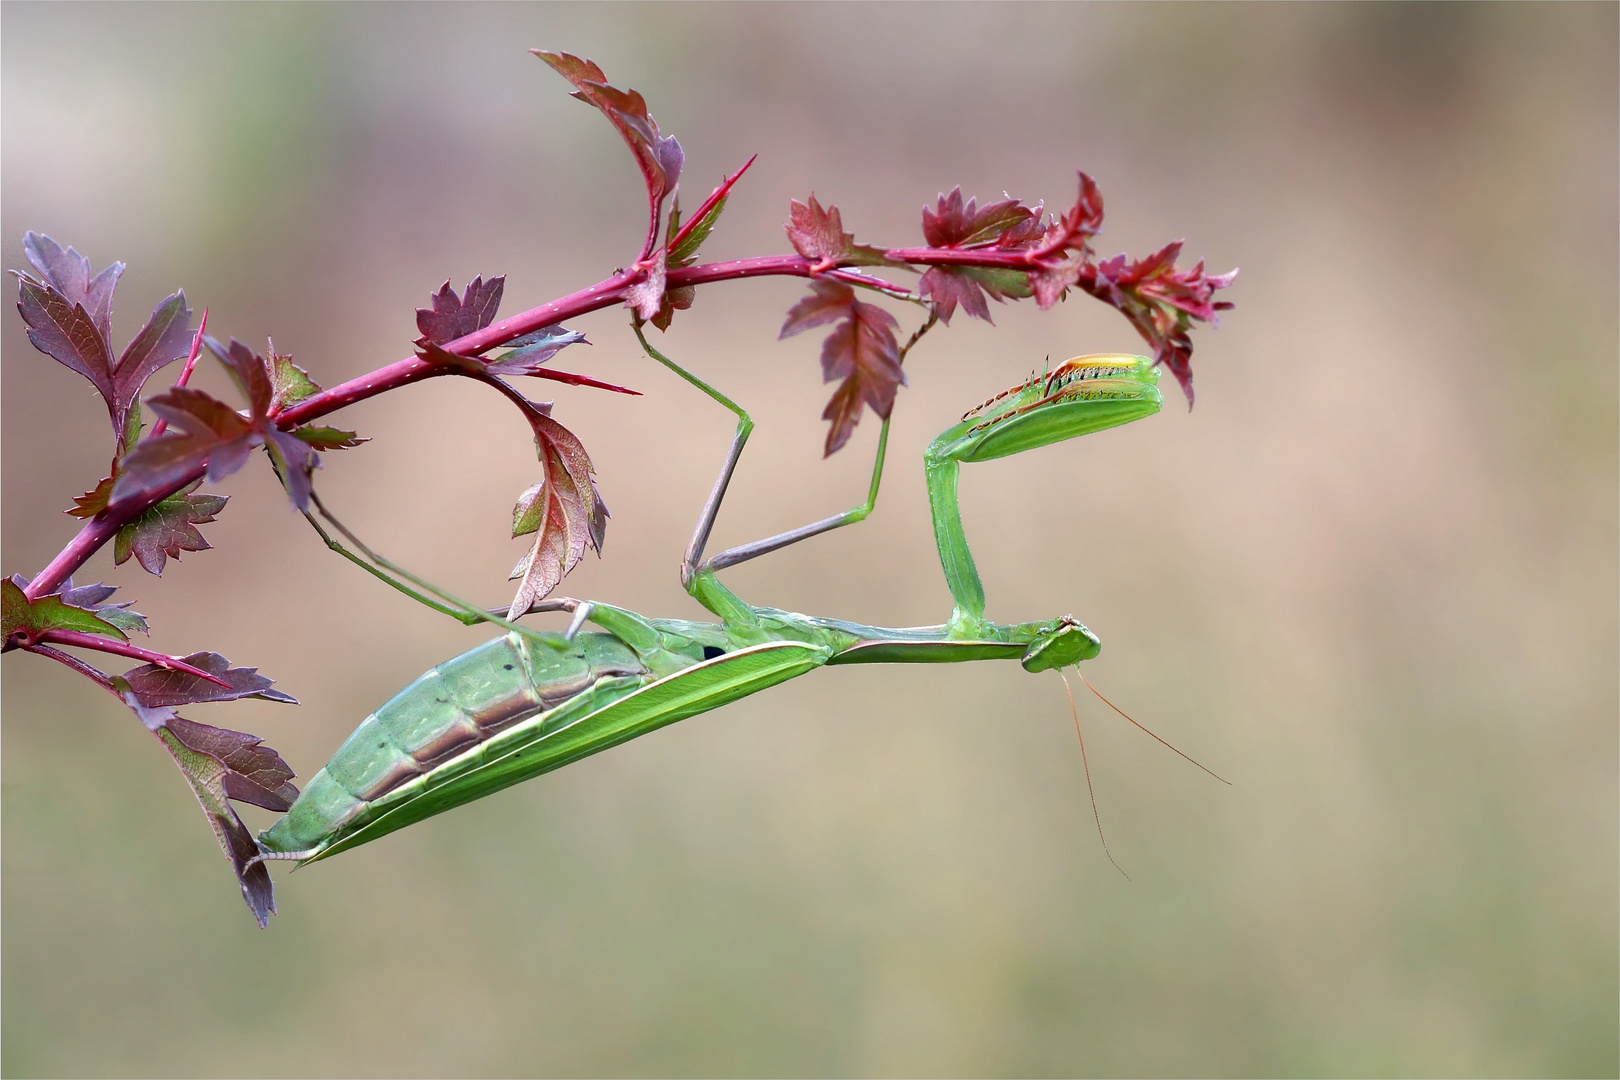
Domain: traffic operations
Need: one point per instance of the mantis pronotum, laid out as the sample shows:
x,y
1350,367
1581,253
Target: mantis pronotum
x,y
529,701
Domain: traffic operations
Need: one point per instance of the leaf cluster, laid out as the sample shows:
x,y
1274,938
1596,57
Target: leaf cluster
x,y
1003,250
219,764
68,314
564,511
82,610
213,436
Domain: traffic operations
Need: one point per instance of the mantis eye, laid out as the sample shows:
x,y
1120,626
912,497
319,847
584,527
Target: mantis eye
x,y
1067,644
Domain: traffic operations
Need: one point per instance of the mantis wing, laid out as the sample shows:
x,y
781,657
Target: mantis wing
x,y
675,697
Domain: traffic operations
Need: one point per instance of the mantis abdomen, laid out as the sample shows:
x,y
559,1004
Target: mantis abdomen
x,y
448,716
509,710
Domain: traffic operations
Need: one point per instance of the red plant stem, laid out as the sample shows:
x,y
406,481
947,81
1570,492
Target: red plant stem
x,y
120,648
1019,259
96,532
191,365
510,392
603,294
606,293
741,269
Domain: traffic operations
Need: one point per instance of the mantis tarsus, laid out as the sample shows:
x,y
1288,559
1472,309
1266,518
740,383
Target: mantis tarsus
x,y
531,701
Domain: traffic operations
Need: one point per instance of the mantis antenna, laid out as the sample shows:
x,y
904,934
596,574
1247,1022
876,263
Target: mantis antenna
x,y
1086,765
1127,716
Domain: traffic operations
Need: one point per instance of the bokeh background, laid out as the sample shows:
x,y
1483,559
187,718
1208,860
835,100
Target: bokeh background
x,y
1371,578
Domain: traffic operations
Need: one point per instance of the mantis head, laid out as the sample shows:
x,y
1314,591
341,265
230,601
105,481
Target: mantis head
x,y
1065,645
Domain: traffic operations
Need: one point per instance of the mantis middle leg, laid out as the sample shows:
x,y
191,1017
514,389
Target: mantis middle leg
x,y
697,575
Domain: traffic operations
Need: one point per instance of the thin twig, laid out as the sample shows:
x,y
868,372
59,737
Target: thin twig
x,y
191,365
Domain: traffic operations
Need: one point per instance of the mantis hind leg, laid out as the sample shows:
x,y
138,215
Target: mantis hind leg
x,y
391,573
639,634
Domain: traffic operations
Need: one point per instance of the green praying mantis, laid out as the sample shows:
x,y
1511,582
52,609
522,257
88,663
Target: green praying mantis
x,y
531,701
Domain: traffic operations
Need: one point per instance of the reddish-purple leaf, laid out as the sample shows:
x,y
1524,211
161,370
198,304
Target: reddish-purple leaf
x,y
948,286
818,233
165,338
68,273
198,413
1049,281
1162,302
222,765
646,296
210,432
93,501
248,370
843,411
257,767
1073,231
165,530
295,462
861,350
69,314
828,302
453,316
955,224
1005,225
438,355
293,458
159,463
85,596
65,332
28,620
677,299
659,156
563,511
95,598
160,687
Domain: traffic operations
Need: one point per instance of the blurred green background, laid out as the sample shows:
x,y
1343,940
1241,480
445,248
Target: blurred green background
x,y
1372,578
